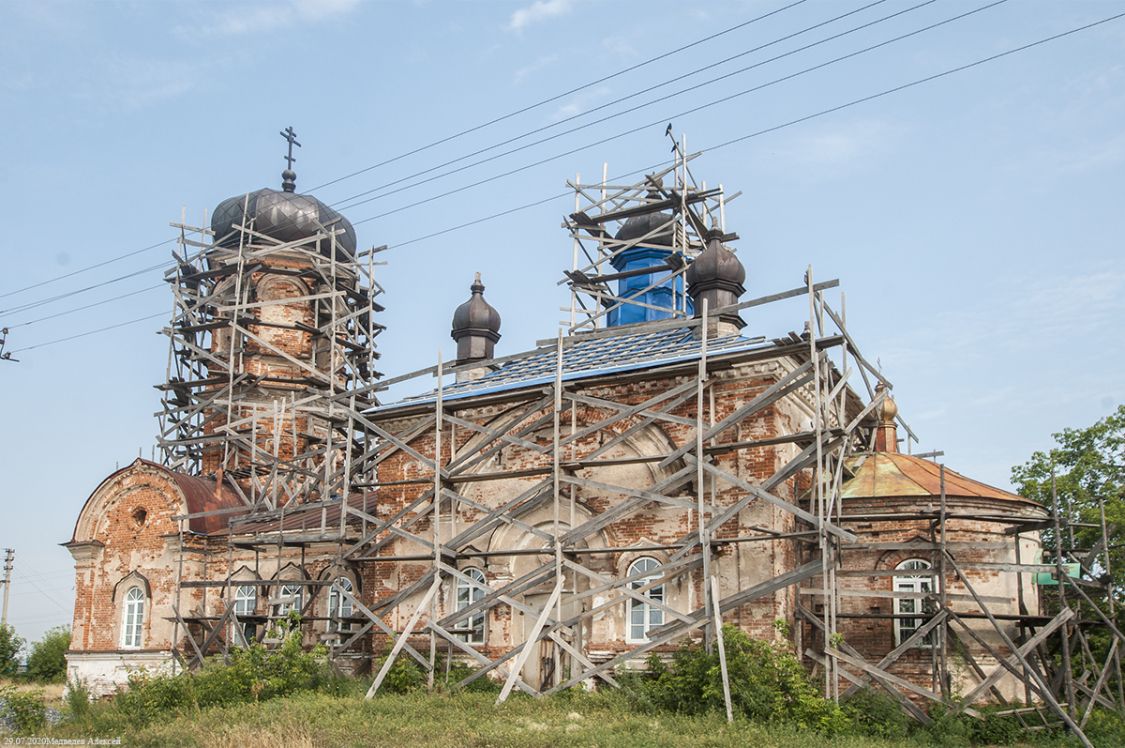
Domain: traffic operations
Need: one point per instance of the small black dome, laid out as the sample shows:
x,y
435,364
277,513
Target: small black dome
x,y
476,316
714,280
282,215
716,267
476,326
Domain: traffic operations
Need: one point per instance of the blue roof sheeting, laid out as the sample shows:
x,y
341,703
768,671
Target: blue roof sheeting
x,y
589,358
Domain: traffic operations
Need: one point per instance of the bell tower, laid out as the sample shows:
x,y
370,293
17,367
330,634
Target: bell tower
x,y
272,352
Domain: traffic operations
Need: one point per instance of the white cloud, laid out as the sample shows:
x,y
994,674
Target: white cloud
x,y
133,83
526,71
538,11
838,146
579,103
619,46
254,19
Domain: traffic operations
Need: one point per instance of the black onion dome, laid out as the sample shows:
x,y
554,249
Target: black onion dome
x,y
716,267
639,226
282,215
476,316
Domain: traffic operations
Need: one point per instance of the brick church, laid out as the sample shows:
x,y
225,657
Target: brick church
x,y
551,513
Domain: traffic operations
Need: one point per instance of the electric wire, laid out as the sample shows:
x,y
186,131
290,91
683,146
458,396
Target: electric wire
x,y
653,123
87,306
718,146
95,266
448,138
340,204
68,294
602,141
564,94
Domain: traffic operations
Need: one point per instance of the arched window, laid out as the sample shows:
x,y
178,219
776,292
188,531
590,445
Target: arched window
x,y
340,606
289,600
472,628
644,616
246,604
920,583
133,618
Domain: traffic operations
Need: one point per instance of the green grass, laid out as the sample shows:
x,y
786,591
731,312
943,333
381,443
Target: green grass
x,y
464,719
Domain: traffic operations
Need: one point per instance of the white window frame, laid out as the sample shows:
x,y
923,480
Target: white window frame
x,y
466,595
905,627
339,606
133,618
284,608
245,604
651,616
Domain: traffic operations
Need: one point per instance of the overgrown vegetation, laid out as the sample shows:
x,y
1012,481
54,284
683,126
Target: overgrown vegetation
x,y
25,711
290,697
47,661
767,685
10,647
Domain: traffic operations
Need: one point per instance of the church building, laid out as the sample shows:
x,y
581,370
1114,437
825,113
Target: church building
x,y
550,513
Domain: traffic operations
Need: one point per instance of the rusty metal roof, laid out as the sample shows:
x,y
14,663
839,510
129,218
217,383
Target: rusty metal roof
x,y
307,518
890,474
200,495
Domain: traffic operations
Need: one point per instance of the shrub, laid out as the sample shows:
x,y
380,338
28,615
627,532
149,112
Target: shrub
x,y
77,699
10,646
458,671
1106,728
876,714
23,710
253,674
947,729
404,676
767,684
47,661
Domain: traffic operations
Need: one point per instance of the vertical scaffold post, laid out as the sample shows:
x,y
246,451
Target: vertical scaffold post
x,y
436,519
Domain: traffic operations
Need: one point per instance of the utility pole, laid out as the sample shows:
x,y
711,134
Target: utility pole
x,y
9,560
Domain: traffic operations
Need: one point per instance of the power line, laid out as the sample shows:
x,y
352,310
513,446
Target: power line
x,y
920,81
52,299
448,138
67,295
88,332
95,266
562,95
633,95
719,146
87,306
50,597
653,123
602,141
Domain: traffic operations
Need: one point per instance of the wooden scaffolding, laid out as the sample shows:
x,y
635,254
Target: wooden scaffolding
x,y
336,505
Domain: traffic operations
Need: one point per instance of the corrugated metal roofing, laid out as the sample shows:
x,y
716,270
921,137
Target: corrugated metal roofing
x,y
200,495
589,358
890,474
300,518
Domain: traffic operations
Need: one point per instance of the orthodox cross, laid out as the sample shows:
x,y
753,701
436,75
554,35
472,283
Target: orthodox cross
x,y
291,138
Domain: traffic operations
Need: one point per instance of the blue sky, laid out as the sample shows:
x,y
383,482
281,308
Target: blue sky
x,y
975,222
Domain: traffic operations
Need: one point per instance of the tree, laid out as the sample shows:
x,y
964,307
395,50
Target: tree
x,y
47,661
1089,468
10,646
